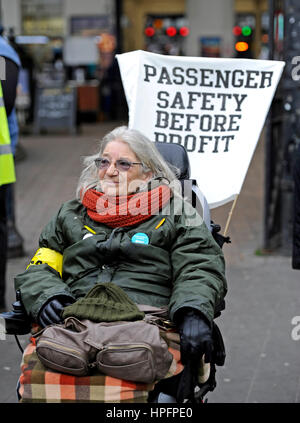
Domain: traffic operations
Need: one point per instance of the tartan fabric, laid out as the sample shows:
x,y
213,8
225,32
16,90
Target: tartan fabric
x,y
38,384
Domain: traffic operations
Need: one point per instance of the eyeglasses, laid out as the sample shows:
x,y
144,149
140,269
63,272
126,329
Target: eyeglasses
x,y
122,165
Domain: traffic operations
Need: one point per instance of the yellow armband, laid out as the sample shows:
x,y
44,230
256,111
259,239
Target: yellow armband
x,y
48,256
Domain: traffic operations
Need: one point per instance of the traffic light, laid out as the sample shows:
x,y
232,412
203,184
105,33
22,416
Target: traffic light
x,y
171,31
166,27
184,31
149,31
241,46
166,34
243,40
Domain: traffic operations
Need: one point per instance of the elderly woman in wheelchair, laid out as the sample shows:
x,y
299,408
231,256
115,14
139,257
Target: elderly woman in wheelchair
x,y
129,249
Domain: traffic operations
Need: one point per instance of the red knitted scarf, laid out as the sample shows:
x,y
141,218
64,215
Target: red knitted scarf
x,y
125,210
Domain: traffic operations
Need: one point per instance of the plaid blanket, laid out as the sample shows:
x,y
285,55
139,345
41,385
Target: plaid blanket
x,y
38,384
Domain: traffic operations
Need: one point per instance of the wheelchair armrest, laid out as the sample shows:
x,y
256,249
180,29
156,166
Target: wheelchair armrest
x,y
16,322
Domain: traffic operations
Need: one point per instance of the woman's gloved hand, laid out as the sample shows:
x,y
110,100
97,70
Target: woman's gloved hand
x,y
195,337
51,312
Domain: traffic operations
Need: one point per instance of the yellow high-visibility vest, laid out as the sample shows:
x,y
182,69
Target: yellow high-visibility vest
x,y
7,168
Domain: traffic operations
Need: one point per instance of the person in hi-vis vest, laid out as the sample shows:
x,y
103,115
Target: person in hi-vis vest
x,y
7,176
13,66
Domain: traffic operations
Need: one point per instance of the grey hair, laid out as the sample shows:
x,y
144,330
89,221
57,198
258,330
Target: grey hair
x,y
143,148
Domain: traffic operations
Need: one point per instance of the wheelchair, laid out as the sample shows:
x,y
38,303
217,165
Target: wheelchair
x,y
17,322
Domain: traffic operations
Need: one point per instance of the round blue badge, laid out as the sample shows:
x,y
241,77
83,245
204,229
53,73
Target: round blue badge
x,y
140,238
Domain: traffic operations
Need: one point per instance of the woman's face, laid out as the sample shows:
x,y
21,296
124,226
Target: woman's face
x,y
118,182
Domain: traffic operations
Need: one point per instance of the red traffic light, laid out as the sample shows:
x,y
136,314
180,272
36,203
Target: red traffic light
x,y
149,31
184,31
237,30
171,31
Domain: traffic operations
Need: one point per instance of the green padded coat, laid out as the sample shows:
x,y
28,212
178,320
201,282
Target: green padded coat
x,y
170,259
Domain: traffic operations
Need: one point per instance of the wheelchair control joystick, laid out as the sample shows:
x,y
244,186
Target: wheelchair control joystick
x,y
16,322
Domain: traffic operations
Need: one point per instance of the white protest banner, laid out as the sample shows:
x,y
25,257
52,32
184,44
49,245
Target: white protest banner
x,y
214,107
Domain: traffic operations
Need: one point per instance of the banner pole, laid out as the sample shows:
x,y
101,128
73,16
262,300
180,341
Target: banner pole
x,y
229,215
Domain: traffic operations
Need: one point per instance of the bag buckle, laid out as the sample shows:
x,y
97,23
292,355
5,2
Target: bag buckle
x,y
164,324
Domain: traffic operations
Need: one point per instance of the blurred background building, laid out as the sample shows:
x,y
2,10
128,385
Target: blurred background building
x,y
70,45
69,74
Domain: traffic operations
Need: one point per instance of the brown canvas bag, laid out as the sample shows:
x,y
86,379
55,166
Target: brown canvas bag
x,y
133,351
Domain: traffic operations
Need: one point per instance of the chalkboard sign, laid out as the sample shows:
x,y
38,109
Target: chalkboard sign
x,y
55,108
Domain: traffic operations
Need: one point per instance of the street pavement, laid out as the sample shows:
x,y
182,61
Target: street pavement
x,y
262,363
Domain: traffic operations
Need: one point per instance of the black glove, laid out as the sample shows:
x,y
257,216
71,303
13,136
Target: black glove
x,y
195,337
51,312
